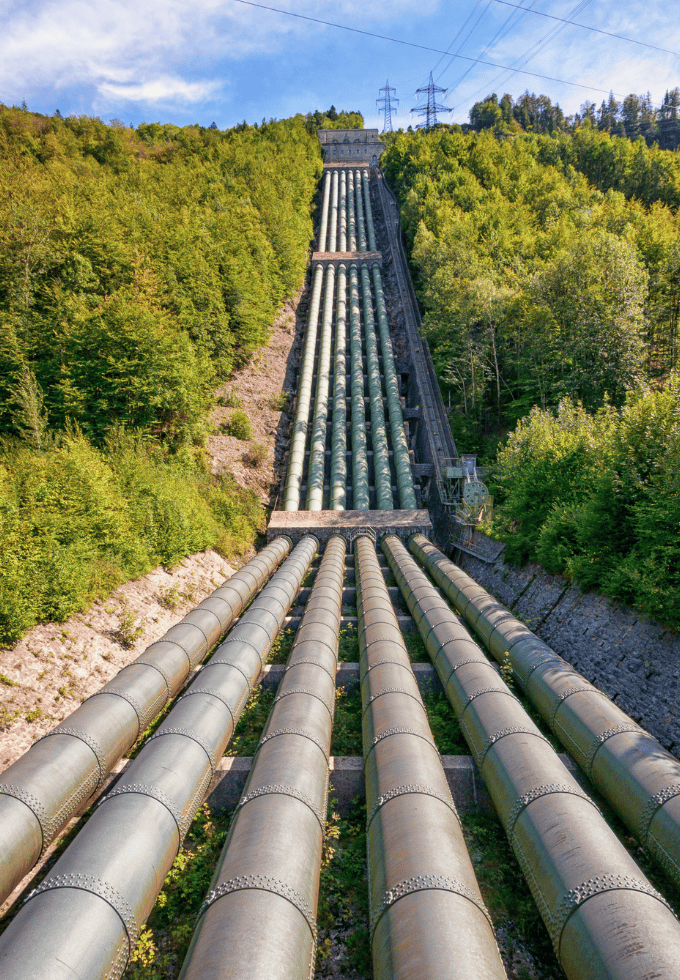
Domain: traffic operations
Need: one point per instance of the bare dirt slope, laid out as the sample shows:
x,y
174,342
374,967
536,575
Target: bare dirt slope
x,y
57,665
259,390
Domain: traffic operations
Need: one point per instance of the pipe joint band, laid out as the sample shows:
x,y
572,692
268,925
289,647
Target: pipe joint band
x,y
144,716
524,677
91,744
653,804
145,663
485,690
410,788
535,794
424,883
213,694
563,697
192,736
390,690
247,643
142,789
36,808
599,741
305,690
379,663
293,731
497,736
266,884
576,897
102,889
400,730
278,789
314,663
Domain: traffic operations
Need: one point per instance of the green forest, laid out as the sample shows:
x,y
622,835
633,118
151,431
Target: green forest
x,y
548,270
138,269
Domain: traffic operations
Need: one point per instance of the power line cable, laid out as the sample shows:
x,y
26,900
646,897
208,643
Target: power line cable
x,y
424,47
524,58
595,30
460,31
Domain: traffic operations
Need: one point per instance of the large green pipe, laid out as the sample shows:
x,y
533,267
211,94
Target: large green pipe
x,y
402,460
333,226
317,456
296,456
338,480
360,493
361,227
323,229
42,790
84,918
351,214
605,920
381,456
368,210
342,213
258,921
428,919
639,779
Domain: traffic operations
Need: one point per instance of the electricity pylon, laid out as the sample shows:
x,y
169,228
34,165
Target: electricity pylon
x,y
432,107
387,105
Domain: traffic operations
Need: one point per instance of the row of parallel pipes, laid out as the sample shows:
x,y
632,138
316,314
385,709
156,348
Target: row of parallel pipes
x,y
604,918
360,482
428,919
637,777
42,790
84,919
259,918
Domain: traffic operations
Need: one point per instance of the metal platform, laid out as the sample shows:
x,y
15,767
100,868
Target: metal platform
x,y
325,523
346,257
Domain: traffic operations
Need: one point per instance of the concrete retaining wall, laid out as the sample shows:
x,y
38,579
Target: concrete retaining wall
x,y
633,659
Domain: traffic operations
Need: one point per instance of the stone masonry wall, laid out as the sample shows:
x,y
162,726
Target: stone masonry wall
x,y
634,660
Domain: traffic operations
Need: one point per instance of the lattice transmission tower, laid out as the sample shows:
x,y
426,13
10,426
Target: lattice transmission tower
x,y
431,107
387,104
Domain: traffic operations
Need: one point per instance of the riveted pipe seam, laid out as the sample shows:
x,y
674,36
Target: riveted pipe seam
x,y
63,925
597,733
423,898
56,780
533,793
286,772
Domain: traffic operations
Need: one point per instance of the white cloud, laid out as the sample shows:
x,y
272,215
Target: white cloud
x,y
163,89
138,49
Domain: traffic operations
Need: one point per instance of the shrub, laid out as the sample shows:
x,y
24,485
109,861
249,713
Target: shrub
x,y
239,426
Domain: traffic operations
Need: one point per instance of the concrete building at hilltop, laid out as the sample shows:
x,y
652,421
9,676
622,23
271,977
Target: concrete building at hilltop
x,y
351,146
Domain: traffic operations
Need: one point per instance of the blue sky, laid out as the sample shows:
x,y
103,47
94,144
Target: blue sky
x,y
204,60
